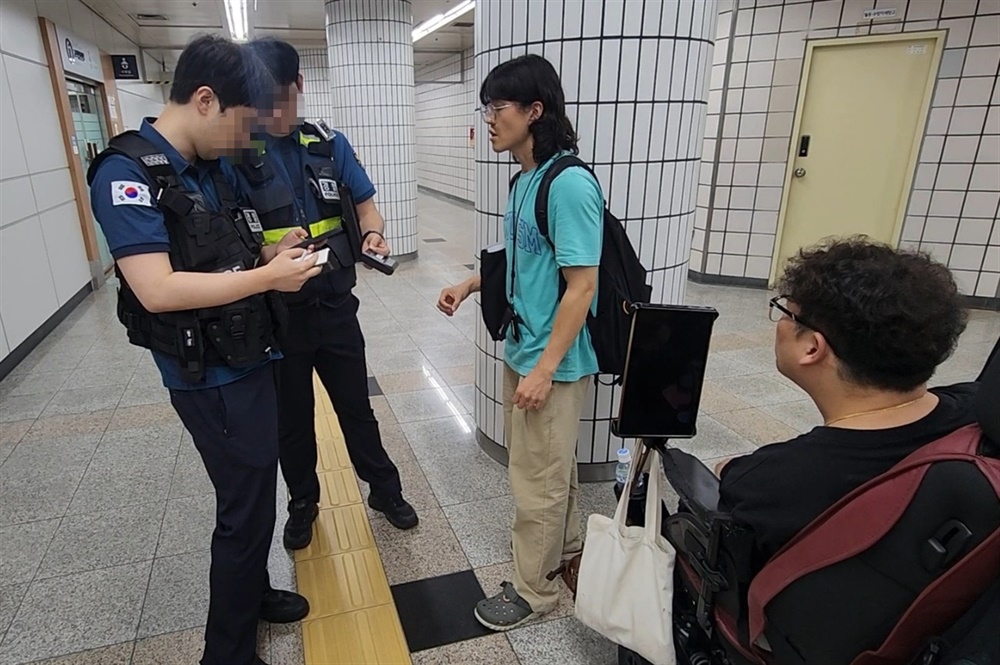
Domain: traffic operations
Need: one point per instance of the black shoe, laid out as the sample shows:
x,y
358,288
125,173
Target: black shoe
x,y
399,513
283,607
298,528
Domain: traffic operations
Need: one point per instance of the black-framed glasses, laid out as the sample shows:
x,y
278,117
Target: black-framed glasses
x,y
777,308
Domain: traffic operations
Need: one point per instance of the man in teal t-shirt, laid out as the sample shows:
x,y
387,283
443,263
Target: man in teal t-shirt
x,y
548,363
576,213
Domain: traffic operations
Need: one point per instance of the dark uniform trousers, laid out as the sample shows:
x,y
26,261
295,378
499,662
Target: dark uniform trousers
x,y
328,337
235,429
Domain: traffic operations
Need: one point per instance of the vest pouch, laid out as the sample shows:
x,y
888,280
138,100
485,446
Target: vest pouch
x,y
242,332
199,237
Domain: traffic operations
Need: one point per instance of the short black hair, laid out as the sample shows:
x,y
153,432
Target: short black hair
x,y
280,58
235,77
891,316
528,79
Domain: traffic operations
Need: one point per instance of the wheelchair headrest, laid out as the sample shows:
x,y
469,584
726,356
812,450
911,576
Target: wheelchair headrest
x,y
986,409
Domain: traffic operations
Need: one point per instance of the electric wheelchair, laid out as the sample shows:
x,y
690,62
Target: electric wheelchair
x,y
903,571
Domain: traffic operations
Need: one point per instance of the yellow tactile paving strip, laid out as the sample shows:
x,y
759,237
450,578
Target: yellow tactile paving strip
x,y
353,620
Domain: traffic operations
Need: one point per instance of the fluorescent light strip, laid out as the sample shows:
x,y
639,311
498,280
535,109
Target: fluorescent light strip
x,y
236,16
441,20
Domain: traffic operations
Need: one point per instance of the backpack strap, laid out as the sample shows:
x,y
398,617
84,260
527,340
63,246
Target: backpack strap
x,y
542,198
876,506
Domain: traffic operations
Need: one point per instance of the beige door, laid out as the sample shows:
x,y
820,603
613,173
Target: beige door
x,y
862,107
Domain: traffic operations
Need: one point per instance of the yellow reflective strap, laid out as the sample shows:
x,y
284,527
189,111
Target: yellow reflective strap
x,y
324,226
274,236
306,139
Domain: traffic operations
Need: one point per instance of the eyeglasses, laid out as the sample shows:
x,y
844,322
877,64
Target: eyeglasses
x,y
489,111
777,309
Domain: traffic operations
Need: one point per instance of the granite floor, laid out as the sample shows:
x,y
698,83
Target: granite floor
x,y
106,511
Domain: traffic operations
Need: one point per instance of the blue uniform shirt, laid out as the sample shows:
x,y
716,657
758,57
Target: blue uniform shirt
x,y
287,154
133,224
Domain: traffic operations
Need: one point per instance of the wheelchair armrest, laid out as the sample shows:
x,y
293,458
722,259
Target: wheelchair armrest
x,y
695,484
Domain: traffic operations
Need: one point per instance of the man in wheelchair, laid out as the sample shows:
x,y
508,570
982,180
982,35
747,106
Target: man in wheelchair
x,y
874,538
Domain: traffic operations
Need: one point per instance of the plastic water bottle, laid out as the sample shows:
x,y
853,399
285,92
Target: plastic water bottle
x,y
621,471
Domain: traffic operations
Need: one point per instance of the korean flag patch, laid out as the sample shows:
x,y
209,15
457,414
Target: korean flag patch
x,y
128,193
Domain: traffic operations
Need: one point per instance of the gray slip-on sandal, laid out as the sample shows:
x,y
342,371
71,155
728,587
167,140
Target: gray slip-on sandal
x,y
505,610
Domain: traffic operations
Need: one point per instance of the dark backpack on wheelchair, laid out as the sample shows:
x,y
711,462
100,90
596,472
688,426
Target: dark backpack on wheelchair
x,y
905,570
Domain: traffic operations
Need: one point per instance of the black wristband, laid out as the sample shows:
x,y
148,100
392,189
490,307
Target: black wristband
x,y
368,233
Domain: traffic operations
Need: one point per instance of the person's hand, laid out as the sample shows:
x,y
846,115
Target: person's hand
x,y
374,242
452,297
291,239
533,390
288,271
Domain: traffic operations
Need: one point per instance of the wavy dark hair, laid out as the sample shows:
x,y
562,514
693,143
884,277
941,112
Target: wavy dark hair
x,y
892,316
524,81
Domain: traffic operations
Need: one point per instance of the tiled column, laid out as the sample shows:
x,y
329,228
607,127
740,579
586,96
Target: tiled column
x,y
636,80
370,46
316,81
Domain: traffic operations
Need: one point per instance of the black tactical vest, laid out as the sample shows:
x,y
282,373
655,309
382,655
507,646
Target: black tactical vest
x,y
240,334
329,205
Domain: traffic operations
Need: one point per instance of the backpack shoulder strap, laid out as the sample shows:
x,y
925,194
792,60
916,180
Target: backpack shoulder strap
x,y
513,181
542,199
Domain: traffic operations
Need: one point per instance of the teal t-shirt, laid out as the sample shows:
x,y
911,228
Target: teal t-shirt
x,y
576,214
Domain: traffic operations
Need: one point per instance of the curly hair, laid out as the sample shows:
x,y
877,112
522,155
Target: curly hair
x,y
891,316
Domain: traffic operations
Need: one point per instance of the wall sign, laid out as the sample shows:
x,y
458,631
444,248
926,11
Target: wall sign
x,y
872,14
126,67
79,57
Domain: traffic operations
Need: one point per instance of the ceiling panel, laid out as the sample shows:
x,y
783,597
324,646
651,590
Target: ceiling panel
x,y
301,22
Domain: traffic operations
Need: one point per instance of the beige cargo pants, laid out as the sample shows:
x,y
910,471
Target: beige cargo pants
x,y
543,480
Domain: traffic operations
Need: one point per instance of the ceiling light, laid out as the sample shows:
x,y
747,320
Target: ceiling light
x,y
441,20
236,16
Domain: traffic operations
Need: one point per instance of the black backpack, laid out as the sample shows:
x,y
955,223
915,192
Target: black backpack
x,y
621,278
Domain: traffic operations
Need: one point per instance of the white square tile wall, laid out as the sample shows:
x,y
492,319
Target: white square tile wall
x,y
446,101
38,208
956,192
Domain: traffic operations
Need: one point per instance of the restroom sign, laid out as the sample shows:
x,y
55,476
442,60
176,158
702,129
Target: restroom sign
x,y
126,67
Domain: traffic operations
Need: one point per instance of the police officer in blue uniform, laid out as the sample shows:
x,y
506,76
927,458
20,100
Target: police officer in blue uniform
x,y
306,176
197,289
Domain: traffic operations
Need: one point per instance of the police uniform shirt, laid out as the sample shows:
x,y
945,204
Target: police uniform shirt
x,y
287,154
133,224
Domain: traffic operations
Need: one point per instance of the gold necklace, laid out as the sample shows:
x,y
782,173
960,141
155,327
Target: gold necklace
x,y
874,411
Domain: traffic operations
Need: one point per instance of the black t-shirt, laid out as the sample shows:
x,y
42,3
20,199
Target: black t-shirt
x,y
782,487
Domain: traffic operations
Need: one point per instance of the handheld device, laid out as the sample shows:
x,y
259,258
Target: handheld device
x,y
664,371
319,240
322,256
383,264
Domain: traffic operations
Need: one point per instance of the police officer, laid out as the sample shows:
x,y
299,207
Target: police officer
x,y
186,254
307,176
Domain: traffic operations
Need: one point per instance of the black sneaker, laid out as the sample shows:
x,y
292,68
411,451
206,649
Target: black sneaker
x,y
283,607
399,513
298,528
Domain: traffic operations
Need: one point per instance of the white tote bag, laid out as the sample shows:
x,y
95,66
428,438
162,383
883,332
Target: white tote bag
x,y
626,585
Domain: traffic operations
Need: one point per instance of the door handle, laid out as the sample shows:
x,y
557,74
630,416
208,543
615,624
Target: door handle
x,y
799,172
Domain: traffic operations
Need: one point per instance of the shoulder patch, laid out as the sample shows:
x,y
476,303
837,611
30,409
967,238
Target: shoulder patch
x,y
157,159
129,193
358,160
